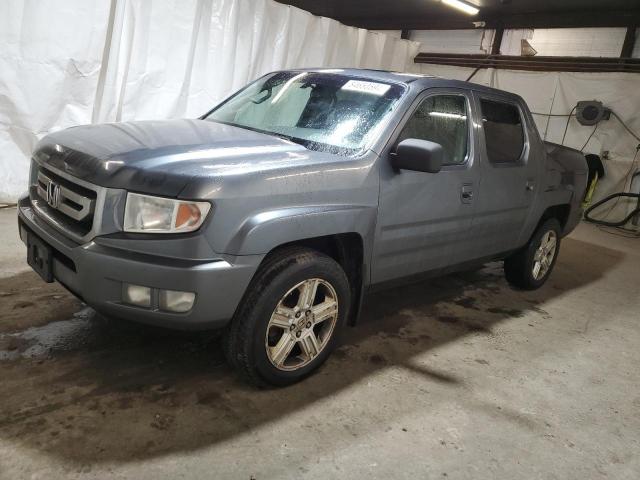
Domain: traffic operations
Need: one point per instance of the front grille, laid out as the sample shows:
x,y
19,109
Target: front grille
x,y
65,203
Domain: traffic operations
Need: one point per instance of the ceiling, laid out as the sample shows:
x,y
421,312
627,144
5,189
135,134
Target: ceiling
x,y
433,14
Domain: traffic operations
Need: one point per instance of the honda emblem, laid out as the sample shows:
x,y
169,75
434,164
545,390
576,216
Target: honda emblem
x,y
53,194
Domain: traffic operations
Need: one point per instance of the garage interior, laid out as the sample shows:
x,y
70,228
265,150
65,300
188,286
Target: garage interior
x,y
455,377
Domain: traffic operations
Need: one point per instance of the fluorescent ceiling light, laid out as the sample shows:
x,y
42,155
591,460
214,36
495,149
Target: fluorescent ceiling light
x,y
462,6
448,115
287,85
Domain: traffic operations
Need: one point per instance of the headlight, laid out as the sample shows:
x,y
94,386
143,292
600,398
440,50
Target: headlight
x,y
144,213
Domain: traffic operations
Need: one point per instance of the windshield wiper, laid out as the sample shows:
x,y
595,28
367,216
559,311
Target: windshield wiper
x,y
299,141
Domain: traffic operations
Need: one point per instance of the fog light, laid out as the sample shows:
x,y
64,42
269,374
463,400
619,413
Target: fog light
x,y
136,295
173,301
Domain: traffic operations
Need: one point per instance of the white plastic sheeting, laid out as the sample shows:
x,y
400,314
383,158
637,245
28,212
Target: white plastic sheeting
x,y
88,61
557,93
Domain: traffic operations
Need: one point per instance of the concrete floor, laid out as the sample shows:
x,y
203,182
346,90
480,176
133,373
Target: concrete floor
x,y
460,377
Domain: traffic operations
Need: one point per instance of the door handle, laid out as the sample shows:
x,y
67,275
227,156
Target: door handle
x,y
466,193
530,185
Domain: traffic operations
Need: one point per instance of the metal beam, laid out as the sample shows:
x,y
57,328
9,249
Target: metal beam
x,y
545,64
629,41
579,19
497,40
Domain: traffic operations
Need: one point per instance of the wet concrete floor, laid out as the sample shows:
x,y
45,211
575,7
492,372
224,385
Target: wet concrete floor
x,y
457,377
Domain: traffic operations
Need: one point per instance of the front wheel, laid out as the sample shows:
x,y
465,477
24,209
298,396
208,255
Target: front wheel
x,y
530,267
290,318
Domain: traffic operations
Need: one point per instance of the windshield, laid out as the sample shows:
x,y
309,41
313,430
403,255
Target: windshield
x,y
322,111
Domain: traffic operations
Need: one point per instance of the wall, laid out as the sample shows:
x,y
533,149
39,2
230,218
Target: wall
x,y
570,42
140,59
454,41
391,33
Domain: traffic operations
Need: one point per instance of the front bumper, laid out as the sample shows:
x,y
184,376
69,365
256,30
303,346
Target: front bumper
x,y
96,272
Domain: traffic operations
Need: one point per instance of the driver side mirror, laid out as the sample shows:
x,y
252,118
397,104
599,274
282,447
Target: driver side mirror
x,y
418,155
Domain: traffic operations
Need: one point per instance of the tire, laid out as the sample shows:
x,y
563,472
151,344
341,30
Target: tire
x,y
530,266
257,339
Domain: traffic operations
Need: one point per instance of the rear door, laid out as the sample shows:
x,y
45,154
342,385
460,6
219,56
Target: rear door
x,y
424,219
508,175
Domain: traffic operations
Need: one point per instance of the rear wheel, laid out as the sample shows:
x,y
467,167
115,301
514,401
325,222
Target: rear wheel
x,y
290,319
530,267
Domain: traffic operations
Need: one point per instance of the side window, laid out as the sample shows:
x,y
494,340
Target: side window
x,y
503,132
442,119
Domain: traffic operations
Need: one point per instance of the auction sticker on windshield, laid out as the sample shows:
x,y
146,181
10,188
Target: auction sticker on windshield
x,y
373,88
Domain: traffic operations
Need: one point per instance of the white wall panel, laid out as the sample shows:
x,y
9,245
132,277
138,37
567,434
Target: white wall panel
x,y
454,41
87,61
571,42
48,76
578,42
391,33
512,40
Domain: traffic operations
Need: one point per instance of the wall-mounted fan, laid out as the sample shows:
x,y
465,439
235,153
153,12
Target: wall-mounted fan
x,y
590,112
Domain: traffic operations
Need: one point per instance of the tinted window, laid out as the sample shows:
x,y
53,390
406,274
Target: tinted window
x,y
442,119
503,131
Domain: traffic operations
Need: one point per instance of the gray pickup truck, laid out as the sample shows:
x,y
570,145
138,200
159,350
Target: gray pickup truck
x,y
271,216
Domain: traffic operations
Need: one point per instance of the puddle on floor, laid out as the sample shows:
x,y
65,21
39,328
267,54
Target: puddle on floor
x,y
39,342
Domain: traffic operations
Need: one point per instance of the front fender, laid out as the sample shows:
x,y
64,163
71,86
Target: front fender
x,y
264,231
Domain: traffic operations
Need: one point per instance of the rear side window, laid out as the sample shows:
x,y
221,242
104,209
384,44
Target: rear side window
x,y
441,119
503,131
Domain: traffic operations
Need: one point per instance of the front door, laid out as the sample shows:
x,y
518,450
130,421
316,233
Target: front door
x,y
424,219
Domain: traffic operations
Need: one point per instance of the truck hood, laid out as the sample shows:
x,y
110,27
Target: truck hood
x,y
162,157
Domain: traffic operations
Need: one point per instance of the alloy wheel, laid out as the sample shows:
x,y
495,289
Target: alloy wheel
x,y
543,258
301,325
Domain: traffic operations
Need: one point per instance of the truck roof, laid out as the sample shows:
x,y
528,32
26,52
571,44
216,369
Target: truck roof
x,y
417,79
